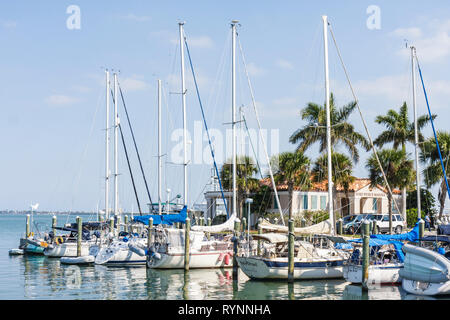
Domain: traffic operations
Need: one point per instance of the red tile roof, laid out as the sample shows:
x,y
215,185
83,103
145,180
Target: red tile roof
x,y
358,184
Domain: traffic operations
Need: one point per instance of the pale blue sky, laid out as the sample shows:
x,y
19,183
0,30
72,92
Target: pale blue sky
x,y
52,91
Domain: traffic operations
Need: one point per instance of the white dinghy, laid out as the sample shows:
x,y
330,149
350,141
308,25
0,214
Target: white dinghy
x,y
425,271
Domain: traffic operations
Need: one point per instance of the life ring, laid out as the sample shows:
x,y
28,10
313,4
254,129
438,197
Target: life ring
x,y
59,240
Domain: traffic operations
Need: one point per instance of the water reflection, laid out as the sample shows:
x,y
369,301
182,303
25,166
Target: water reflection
x,y
46,278
299,290
356,292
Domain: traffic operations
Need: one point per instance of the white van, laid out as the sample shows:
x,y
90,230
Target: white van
x,y
398,224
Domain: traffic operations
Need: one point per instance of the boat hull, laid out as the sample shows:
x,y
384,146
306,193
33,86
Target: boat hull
x,y
69,249
119,257
378,274
426,288
261,268
197,260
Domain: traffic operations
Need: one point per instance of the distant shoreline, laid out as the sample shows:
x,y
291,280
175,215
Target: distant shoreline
x,y
46,213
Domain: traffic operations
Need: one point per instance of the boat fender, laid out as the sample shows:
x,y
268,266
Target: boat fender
x,y
227,259
221,256
152,254
138,251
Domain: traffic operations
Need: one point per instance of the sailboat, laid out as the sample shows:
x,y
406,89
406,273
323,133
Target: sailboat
x,y
386,257
427,270
66,246
316,259
167,250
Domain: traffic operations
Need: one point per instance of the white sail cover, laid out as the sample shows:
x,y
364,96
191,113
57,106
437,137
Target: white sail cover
x,y
226,226
176,238
323,227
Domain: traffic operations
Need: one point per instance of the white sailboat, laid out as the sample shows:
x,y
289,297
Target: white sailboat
x,y
311,261
167,251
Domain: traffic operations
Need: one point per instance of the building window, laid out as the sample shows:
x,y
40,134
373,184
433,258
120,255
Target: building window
x,y
323,202
275,204
305,201
313,202
394,208
375,204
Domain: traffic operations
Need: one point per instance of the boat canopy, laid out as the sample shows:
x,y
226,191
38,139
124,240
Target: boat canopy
x,y
323,227
168,219
379,243
378,240
226,226
271,237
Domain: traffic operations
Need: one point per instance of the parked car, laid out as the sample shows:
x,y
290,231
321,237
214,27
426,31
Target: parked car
x,y
346,220
353,226
398,224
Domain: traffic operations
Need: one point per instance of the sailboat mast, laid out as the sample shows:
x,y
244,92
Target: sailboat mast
x,y
233,107
327,102
183,99
416,132
116,136
159,148
107,148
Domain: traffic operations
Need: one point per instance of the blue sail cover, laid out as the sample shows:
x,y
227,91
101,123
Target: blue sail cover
x,y
378,240
168,219
412,236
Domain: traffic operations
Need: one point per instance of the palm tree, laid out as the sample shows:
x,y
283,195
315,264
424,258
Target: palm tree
x,y
245,182
399,131
341,171
433,172
293,169
398,170
341,130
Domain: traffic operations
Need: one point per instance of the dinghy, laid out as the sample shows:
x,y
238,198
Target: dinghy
x,y
16,252
427,272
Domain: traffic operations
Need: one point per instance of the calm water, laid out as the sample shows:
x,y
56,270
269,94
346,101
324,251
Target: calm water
x,y
39,277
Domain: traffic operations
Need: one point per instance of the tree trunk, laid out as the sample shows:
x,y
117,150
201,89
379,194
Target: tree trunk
x,y
291,196
404,203
442,195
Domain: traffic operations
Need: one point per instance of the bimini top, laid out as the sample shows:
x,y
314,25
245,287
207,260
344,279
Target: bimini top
x,y
271,237
168,219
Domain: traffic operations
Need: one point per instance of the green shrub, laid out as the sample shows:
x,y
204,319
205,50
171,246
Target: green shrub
x,y
411,216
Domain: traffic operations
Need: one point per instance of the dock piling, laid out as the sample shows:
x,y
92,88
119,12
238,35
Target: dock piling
x,y
340,226
365,254
111,225
79,235
125,221
187,243
259,232
421,228
291,251
237,227
27,227
54,225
